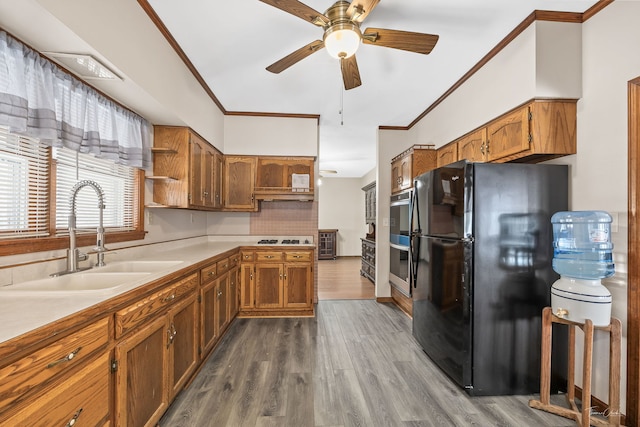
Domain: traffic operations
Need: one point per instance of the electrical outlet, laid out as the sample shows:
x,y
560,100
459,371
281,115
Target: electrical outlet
x,y
614,222
149,217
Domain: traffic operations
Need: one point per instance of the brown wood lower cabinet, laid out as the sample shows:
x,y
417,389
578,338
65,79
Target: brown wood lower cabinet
x,y
142,392
155,361
125,368
276,283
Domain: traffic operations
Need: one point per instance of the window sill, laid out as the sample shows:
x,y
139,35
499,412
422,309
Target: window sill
x,y
31,245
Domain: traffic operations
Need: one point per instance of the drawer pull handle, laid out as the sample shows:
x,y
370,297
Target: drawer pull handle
x,y
169,298
268,256
73,420
247,256
297,256
211,273
224,265
67,358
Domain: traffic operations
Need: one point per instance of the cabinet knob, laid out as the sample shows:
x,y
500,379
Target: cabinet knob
x,y
268,256
169,298
211,273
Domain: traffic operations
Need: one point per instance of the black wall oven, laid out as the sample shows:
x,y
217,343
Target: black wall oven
x,y
399,251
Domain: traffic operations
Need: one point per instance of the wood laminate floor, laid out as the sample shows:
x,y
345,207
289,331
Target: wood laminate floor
x,y
354,364
340,279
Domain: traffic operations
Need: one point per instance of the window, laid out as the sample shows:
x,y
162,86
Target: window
x,y
35,189
118,183
24,187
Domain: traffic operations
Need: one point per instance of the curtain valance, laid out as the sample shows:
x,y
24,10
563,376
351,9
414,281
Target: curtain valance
x,y
40,100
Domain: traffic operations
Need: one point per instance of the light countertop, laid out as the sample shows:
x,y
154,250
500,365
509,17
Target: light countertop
x,y
21,312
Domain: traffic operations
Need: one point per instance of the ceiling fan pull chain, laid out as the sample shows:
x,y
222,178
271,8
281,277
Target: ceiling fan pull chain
x,y
341,104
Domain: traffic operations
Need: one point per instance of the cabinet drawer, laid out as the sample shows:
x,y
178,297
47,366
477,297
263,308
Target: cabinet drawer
x,y
208,273
247,256
298,256
234,260
134,315
83,400
269,256
222,266
51,362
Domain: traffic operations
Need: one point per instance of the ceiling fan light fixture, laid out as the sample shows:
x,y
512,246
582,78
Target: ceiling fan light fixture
x,y
342,40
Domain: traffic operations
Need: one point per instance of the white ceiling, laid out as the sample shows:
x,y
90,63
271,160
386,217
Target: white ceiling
x,y
231,42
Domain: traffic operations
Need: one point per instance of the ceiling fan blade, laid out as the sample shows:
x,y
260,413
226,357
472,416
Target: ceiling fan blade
x,y
405,40
359,9
298,55
300,10
350,72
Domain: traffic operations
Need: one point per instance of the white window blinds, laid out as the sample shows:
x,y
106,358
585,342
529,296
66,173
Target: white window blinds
x,y
24,186
117,182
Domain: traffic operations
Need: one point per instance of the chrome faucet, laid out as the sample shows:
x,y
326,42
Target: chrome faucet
x,y
74,256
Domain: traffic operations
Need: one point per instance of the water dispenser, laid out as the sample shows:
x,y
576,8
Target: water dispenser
x,y
582,256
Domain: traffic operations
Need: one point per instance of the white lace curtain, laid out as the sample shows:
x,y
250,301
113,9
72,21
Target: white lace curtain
x,y
40,100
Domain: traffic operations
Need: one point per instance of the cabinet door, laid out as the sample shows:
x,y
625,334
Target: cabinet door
x,y
239,183
218,167
183,343
297,286
233,292
208,176
221,308
269,283
447,155
196,185
508,134
396,175
208,335
406,172
142,392
247,286
473,147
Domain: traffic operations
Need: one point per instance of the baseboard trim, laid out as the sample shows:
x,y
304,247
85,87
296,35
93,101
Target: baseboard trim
x,y
385,299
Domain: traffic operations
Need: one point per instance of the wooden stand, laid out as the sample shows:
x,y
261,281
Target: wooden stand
x,y
582,418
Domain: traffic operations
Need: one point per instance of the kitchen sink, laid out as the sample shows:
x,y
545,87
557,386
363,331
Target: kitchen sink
x,y
75,282
134,267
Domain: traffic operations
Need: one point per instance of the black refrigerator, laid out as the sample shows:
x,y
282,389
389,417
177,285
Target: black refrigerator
x,y
481,252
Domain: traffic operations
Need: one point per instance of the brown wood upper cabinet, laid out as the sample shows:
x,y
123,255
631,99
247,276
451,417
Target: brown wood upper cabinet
x,y
274,178
447,154
473,146
239,183
187,171
535,132
411,163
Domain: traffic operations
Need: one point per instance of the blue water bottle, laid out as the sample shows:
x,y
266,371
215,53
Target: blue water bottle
x,y
582,256
582,244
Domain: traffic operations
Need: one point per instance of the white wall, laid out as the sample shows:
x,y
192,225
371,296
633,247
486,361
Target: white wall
x,y
276,136
540,62
599,170
390,144
341,206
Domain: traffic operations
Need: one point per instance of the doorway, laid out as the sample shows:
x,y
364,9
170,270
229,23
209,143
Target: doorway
x,y
340,279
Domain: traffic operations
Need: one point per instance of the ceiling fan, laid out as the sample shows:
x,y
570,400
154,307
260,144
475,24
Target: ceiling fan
x,y
342,35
